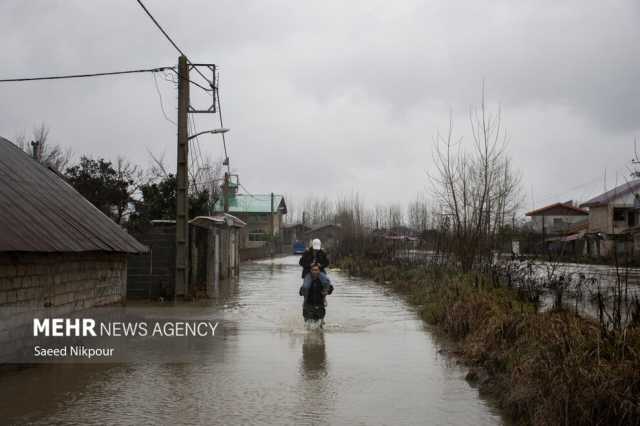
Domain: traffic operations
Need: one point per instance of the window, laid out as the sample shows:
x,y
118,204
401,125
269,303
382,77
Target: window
x,y
631,219
619,215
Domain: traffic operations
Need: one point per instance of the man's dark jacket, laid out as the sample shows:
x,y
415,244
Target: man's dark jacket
x,y
311,256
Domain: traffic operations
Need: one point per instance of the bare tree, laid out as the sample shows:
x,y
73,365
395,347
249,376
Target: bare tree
x,y
130,176
476,188
418,214
53,156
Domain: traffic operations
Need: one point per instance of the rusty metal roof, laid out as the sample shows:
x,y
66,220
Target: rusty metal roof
x,y
559,209
40,212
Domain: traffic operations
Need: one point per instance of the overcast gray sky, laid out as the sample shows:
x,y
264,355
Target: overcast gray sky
x,y
334,97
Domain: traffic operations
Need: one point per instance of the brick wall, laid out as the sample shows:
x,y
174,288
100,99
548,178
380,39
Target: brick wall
x,y
53,285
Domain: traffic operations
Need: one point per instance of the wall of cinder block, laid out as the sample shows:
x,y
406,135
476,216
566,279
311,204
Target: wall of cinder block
x,y
43,285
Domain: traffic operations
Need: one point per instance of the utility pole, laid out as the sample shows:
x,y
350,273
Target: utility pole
x,y
182,182
271,228
225,192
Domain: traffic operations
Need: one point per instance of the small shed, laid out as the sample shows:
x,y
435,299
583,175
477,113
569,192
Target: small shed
x,y
213,254
59,254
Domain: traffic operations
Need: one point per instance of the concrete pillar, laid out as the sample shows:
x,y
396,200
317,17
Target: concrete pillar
x,y
216,262
211,269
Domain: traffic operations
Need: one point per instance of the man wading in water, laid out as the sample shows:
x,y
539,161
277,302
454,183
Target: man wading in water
x,y
313,254
313,308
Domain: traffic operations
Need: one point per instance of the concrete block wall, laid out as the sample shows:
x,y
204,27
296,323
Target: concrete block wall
x,y
39,285
152,275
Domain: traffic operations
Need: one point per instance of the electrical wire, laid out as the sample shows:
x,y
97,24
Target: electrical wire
x,y
171,41
193,152
155,81
192,82
224,140
575,188
97,74
194,129
254,195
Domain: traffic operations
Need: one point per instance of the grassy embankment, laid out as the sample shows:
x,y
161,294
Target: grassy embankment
x,y
552,368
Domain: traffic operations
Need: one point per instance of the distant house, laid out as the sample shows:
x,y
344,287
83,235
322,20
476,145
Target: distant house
x,y
293,232
614,219
58,253
263,214
557,218
328,233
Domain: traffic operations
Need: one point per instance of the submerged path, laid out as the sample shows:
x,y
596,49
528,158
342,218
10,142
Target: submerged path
x,y
375,363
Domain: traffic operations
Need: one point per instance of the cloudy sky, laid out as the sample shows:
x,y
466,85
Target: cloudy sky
x,y
333,97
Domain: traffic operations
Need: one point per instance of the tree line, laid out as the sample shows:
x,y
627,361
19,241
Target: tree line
x,y
130,195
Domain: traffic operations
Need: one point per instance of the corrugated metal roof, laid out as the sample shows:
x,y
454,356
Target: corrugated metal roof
x,y
222,219
254,203
40,212
607,197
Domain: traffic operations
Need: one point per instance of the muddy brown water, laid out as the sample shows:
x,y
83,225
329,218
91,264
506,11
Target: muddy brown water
x,y
375,363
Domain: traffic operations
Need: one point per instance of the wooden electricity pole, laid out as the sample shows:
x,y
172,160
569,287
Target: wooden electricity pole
x,y
225,193
182,182
271,228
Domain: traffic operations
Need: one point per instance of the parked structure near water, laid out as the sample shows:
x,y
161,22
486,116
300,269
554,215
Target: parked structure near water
x,y
213,253
58,253
614,220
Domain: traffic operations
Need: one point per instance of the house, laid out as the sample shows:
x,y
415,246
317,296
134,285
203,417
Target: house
x,y
214,256
556,219
58,253
263,214
293,233
614,220
328,233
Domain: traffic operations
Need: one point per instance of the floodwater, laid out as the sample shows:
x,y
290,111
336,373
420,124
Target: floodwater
x,y
375,363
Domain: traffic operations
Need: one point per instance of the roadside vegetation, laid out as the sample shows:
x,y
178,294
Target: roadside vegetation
x,y
520,324
542,368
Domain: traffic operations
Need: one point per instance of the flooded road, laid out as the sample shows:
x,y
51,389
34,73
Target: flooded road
x,y
373,364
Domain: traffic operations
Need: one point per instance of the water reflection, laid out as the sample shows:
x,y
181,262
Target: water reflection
x,y
373,363
314,355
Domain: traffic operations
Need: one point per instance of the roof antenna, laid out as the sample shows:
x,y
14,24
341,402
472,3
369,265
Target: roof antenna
x,y
635,160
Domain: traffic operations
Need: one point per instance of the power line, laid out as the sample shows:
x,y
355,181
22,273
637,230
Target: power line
x,y
575,188
171,41
224,140
264,196
192,82
160,28
97,74
197,144
155,81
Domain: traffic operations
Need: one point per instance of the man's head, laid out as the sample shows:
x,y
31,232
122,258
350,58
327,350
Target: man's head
x,y
316,244
315,270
